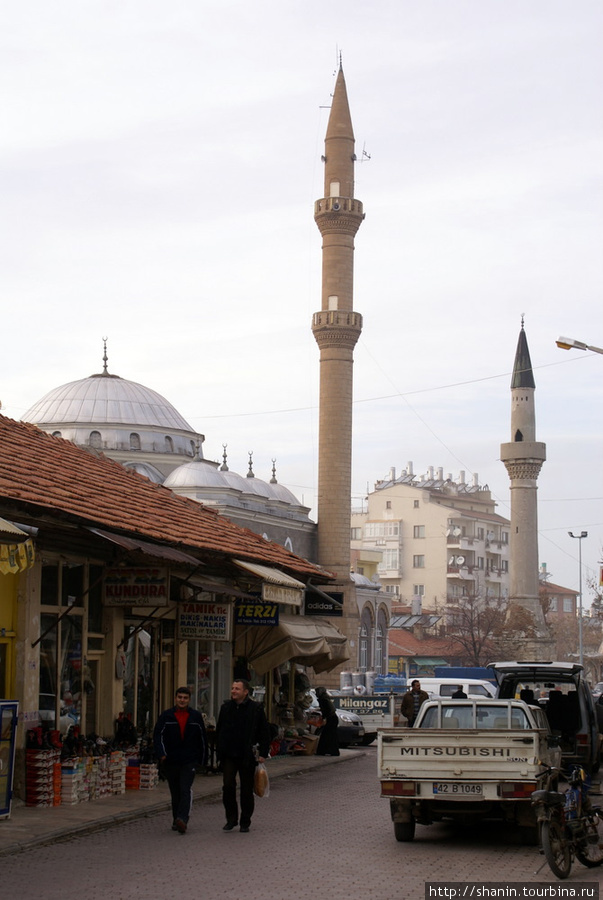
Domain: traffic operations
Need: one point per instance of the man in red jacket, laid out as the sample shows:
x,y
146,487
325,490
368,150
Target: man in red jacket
x,y
180,744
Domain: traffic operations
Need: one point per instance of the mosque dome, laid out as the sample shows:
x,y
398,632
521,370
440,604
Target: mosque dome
x,y
196,475
106,399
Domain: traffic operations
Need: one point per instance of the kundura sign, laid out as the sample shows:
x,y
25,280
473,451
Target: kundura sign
x,y
199,620
136,587
255,612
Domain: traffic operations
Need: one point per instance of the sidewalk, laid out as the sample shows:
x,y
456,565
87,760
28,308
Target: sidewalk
x,y
30,826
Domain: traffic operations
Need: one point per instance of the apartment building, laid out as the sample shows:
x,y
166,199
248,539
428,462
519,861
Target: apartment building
x,y
439,539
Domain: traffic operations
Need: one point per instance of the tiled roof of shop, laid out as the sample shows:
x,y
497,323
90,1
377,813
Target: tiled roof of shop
x,y
48,472
404,643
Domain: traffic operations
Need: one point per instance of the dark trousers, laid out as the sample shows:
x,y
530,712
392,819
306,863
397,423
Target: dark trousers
x,y
180,780
328,745
245,769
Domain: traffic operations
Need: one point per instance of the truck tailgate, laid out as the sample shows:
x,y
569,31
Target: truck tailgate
x,y
442,753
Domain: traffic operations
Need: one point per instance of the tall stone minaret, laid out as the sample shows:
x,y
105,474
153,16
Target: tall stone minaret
x,y
337,329
523,457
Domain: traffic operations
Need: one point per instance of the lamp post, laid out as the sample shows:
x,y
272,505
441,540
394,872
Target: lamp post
x,y
570,344
579,538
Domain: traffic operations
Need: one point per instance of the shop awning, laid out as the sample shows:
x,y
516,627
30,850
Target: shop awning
x,y
277,587
214,587
159,551
429,661
306,640
16,549
11,534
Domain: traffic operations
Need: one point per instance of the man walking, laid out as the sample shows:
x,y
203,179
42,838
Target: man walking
x,y
412,701
180,744
242,726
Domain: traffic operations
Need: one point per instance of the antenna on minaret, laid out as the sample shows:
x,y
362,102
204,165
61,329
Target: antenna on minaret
x,y
105,357
364,157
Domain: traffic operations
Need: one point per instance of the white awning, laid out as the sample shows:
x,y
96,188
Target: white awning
x,y
277,587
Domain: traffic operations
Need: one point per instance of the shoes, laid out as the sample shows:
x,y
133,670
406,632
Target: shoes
x,y
180,826
229,826
174,826
244,829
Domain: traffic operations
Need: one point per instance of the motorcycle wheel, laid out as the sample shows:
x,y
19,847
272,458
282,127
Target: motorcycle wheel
x,y
590,855
556,849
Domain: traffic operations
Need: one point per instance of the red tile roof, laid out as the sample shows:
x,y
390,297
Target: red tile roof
x,y
402,642
45,473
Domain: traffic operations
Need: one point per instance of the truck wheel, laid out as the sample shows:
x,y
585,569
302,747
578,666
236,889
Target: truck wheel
x,y
368,739
404,831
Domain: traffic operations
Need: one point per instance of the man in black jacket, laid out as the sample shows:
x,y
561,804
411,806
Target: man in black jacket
x,y
181,745
242,725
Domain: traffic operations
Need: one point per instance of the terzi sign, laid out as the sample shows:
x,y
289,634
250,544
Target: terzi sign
x,y
203,621
136,587
256,613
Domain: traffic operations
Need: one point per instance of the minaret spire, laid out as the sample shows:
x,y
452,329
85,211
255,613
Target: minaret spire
x,y
523,457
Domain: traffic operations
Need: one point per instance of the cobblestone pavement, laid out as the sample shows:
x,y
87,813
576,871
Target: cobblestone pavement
x,y
324,832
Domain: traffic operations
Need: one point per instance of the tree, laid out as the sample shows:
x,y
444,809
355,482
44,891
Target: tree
x,y
476,624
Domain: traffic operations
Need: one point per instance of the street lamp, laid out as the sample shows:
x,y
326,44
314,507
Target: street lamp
x,y
579,538
570,344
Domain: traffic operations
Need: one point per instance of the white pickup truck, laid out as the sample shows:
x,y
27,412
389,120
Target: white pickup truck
x,y
467,759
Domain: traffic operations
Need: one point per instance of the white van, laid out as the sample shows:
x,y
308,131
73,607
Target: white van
x,y
446,687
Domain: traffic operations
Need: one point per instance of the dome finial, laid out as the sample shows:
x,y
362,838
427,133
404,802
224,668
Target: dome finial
x,y
105,357
250,473
273,479
224,466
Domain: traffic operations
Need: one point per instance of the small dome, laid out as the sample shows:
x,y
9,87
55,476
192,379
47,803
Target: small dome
x,y
280,492
147,470
106,400
196,474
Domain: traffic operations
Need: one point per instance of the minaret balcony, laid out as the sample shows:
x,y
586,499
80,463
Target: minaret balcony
x,y
338,204
338,214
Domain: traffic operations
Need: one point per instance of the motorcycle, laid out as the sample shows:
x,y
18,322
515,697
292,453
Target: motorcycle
x,y
569,825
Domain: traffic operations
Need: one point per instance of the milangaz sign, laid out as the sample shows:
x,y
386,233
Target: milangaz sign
x,y
136,587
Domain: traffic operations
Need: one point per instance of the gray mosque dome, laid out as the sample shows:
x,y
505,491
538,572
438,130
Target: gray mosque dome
x,y
122,418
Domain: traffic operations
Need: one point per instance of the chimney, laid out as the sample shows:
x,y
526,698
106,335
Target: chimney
x,y
430,472
392,474
475,479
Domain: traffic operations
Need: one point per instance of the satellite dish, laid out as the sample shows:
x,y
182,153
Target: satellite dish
x,y
456,531
460,560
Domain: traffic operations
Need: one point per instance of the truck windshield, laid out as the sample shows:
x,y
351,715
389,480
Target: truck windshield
x,y
469,716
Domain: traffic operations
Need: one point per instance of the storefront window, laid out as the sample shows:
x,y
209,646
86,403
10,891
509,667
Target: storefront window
x,y
138,677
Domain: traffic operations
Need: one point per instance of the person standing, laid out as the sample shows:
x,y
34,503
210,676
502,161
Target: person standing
x,y
412,701
242,727
180,743
328,745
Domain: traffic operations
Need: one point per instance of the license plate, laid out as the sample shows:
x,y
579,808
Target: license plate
x,y
456,787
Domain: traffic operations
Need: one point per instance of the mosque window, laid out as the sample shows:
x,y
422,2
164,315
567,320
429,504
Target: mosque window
x,y
134,441
56,434
96,440
335,189
169,444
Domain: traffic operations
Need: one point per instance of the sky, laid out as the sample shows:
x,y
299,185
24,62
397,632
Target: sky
x,y
159,165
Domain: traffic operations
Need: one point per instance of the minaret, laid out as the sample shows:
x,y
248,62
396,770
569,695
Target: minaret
x,y
523,458
336,329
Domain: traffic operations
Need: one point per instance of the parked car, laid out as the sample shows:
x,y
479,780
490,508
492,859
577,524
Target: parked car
x,y
597,690
561,690
350,729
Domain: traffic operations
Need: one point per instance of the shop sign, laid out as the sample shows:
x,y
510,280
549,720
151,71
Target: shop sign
x,y
136,587
200,621
317,605
254,612
276,593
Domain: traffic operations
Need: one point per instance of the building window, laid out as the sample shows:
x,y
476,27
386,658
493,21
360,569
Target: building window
x,y
418,590
480,562
552,604
480,534
418,531
418,562
568,604
381,529
388,504
56,434
392,589
504,565
356,534
96,440
505,537
415,504
134,441
390,561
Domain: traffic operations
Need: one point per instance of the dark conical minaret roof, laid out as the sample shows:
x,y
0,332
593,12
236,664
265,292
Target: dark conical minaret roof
x,y
523,377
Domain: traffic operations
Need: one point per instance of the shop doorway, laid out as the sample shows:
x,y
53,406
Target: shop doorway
x,y
141,675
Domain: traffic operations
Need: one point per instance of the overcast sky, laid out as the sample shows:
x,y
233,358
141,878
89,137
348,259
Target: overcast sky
x,y
159,167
